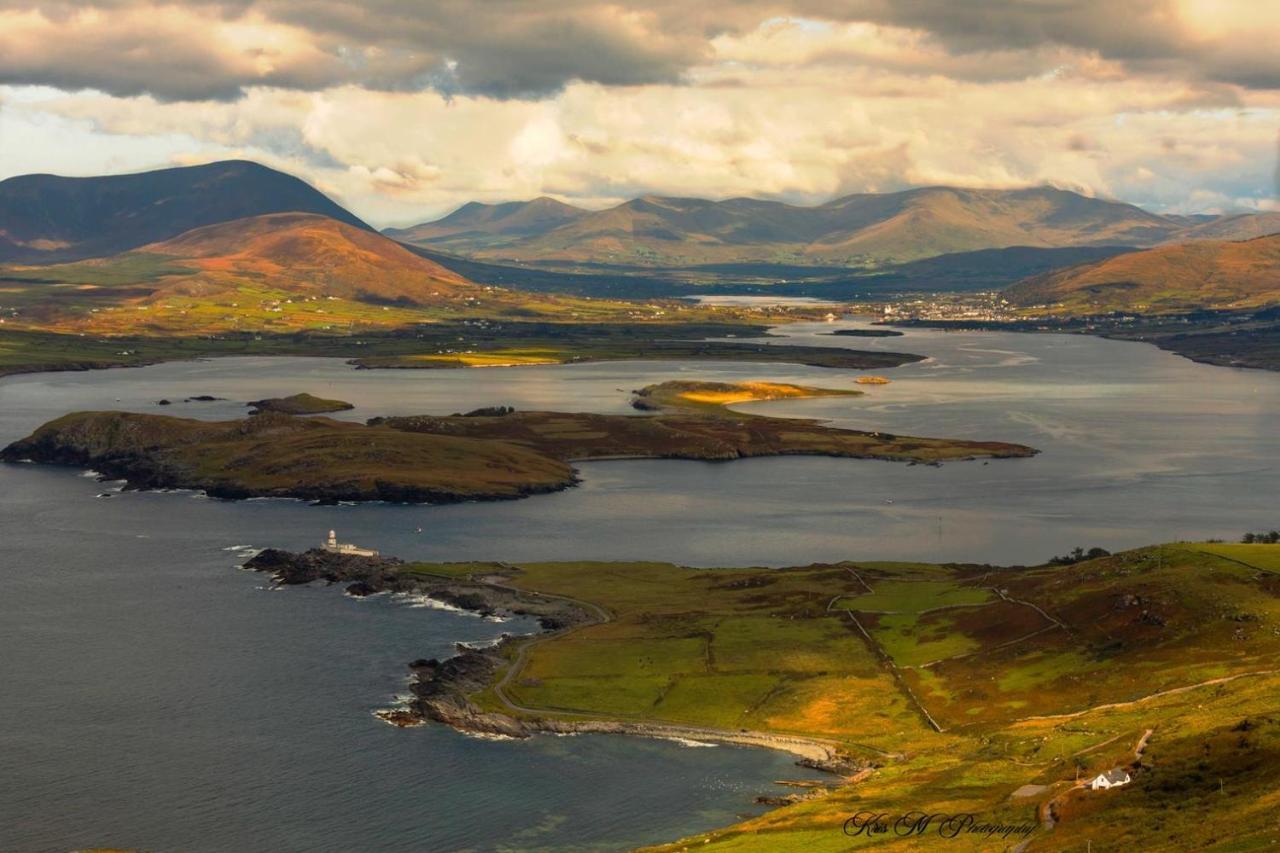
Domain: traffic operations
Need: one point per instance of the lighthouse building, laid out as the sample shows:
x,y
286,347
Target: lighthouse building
x,y
333,546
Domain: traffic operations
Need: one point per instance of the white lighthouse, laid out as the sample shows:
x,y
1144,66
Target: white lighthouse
x,y
333,546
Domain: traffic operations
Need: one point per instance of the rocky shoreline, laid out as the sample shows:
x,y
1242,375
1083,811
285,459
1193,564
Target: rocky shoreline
x,y
155,452
141,474
440,689
371,575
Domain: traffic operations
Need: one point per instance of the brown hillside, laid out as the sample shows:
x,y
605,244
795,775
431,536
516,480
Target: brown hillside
x,y
1206,274
316,255
282,272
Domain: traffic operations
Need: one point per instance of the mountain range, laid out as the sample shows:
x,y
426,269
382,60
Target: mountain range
x,y
239,228
855,231
230,246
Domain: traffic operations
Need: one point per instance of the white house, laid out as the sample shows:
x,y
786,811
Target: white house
x,y
1111,779
332,545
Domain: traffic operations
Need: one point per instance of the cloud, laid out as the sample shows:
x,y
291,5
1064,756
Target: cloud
x,y
408,109
163,50
792,130
213,51
1229,41
210,50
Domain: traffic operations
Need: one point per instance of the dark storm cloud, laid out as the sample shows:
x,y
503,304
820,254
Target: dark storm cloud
x,y
192,50
1153,35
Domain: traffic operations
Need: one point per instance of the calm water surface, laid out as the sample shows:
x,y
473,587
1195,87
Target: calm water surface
x,y
154,696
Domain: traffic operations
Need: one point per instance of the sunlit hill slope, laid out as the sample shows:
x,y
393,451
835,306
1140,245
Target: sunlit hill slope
x,y
1206,274
54,219
277,273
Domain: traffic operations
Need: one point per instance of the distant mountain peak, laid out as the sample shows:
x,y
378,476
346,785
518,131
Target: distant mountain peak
x,y
854,230
53,219
492,223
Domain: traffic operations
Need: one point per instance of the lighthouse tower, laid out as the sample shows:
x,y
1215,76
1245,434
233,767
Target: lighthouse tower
x,y
333,546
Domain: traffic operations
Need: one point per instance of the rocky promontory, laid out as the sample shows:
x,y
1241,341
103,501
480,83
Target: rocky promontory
x,y
370,575
442,689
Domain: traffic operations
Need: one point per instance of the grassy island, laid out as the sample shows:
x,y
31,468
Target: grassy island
x,y
491,454
936,688
299,404
691,421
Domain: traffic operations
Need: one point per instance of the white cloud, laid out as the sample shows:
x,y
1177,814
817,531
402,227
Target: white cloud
x,y
795,108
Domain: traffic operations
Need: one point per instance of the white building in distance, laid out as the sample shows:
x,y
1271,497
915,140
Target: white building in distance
x,y
333,546
1111,779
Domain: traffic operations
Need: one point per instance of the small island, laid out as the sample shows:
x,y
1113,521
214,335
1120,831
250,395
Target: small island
x,y
865,333
490,454
299,404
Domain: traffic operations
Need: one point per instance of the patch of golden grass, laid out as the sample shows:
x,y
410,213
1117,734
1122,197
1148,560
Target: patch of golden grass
x,y
746,392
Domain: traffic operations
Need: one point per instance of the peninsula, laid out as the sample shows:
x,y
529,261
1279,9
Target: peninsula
x,y
944,688
493,454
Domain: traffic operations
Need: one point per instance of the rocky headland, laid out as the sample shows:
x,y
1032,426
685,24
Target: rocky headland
x,y
442,689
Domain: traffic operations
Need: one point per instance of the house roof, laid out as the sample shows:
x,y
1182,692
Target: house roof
x,y
1115,775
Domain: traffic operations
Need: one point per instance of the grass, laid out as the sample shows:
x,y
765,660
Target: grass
x,y
756,643
607,697
911,644
915,596
715,395
1264,557
1040,668
701,647
758,649
449,570
622,656
715,699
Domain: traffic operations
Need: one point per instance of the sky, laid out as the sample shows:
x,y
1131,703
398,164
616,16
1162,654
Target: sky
x,y
405,110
